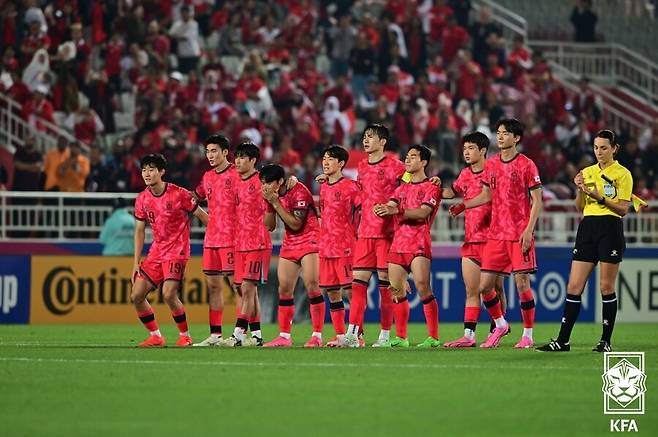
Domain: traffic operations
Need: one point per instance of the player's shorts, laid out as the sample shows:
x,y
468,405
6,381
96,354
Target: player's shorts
x,y
296,255
156,272
405,259
505,257
218,260
335,273
600,238
252,265
473,251
371,254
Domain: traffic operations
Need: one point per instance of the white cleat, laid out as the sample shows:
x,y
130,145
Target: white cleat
x,y
380,341
252,342
210,341
231,342
349,340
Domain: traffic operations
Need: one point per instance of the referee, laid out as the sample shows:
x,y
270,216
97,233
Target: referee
x,y
604,195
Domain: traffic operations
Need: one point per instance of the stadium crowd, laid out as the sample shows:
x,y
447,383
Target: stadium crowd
x,y
291,76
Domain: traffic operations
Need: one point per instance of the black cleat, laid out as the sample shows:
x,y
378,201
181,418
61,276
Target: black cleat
x,y
602,346
554,346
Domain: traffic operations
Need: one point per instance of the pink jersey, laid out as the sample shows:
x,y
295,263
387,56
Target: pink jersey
x,y
251,233
377,182
477,220
337,205
169,217
220,189
413,236
510,183
299,198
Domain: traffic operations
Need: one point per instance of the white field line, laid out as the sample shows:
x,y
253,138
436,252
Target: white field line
x,y
296,364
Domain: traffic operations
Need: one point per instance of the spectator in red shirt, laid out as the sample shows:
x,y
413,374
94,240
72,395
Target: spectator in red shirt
x,y
518,59
454,37
38,109
33,41
469,76
342,92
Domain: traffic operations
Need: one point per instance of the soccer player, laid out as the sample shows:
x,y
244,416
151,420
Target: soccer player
x,y
253,246
167,208
511,183
604,196
338,202
378,177
218,186
476,226
299,251
414,206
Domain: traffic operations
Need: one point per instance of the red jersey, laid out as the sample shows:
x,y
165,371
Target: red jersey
x,y
220,189
413,236
299,198
476,220
377,182
251,233
169,217
337,230
510,183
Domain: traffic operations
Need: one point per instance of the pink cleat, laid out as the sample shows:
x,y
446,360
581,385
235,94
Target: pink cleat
x,y
314,342
279,342
525,343
335,342
462,342
494,338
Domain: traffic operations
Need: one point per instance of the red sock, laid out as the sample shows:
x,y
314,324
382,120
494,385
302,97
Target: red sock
x,y
318,310
286,314
401,313
148,319
180,319
386,304
359,302
215,318
431,310
492,303
337,313
471,317
527,308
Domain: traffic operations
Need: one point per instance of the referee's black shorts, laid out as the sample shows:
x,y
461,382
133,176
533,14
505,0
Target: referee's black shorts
x,y
600,238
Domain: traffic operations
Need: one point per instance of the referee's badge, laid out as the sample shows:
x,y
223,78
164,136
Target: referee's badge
x,y
608,190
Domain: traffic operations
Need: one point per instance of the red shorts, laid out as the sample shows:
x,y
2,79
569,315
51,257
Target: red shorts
x,y
295,255
336,273
504,257
252,265
473,251
156,272
218,260
371,254
405,259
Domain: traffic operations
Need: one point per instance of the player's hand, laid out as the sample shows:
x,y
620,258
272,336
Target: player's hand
x,y
383,210
269,195
435,180
398,294
321,178
457,209
133,275
526,240
291,182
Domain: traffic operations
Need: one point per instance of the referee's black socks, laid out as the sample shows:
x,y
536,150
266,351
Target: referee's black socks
x,y
609,315
569,317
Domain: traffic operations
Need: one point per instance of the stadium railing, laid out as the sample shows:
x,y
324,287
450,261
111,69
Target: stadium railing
x,y
47,216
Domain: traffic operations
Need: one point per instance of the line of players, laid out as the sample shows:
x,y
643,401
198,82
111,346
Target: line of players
x,y
379,223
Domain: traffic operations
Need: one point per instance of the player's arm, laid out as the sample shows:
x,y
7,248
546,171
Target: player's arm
x,y
417,213
202,215
448,193
140,236
294,220
483,197
270,220
537,205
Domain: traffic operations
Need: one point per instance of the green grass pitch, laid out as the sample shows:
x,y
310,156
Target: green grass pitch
x,y
92,381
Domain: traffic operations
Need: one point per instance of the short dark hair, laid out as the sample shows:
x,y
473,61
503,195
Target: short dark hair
x,y
271,173
248,150
378,129
156,160
478,138
424,152
608,135
218,139
337,152
511,125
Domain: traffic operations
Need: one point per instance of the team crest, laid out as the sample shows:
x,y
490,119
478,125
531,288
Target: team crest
x,y
169,205
337,195
624,383
251,188
380,172
227,183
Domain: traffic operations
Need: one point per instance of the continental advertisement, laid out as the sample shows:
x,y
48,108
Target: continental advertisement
x,y
96,289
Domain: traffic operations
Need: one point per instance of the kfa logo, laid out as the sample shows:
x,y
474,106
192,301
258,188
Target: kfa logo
x,y
623,383
8,293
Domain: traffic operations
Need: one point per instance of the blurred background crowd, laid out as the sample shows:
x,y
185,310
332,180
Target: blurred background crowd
x,y
131,77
